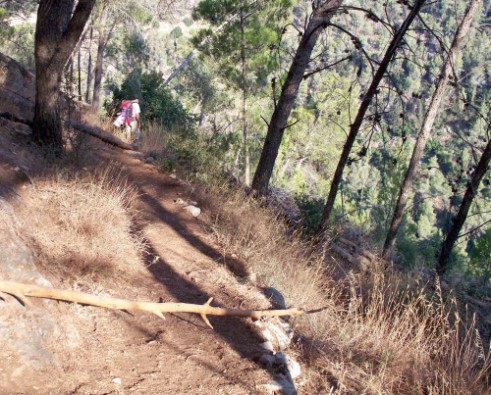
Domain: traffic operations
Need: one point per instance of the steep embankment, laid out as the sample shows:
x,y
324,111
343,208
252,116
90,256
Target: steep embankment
x,y
109,224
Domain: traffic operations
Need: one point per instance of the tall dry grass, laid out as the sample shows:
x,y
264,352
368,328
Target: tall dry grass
x,y
80,224
380,332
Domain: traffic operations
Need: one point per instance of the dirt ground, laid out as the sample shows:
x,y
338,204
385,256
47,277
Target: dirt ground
x,y
99,351
115,352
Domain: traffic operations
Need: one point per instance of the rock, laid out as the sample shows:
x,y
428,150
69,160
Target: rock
x,y
117,381
291,367
195,211
267,360
173,176
252,277
280,383
28,336
275,297
277,335
267,345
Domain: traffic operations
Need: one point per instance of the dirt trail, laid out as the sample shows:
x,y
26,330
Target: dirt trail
x,y
98,351
181,355
117,353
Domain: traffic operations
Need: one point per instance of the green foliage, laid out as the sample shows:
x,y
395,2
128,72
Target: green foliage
x,y
156,101
480,253
199,154
17,41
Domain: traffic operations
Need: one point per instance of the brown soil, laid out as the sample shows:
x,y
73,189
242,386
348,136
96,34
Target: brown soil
x,y
98,351
116,352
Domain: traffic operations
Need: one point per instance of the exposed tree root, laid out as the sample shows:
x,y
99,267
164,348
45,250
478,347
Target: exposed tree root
x,y
20,291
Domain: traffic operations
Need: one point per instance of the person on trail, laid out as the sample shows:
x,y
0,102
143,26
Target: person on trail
x,y
132,122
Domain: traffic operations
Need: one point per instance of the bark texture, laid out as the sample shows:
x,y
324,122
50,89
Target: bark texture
x,y
365,104
427,126
319,19
89,67
58,30
461,216
104,34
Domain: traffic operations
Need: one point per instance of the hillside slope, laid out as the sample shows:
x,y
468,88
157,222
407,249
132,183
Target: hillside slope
x,y
109,224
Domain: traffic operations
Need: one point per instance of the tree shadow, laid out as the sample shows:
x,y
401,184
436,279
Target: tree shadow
x,y
236,266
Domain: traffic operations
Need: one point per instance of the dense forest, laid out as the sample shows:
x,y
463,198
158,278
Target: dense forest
x,y
372,116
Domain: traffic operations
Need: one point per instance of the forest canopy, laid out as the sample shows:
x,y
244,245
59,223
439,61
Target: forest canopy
x,y
274,90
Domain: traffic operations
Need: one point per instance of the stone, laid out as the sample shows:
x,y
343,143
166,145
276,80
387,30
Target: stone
x,y
291,367
193,210
267,345
275,297
280,383
267,360
28,336
277,335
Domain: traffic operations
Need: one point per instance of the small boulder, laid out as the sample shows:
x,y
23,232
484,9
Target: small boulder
x,y
193,210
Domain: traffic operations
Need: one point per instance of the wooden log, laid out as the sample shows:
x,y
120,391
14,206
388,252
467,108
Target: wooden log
x,y
91,130
362,263
20,291
361,251
14,118
101,134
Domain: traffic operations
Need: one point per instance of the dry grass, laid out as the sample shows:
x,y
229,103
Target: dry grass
x,y
81,225
380,333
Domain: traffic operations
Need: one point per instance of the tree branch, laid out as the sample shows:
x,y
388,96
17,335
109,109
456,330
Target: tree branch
x,y
20,291
71,36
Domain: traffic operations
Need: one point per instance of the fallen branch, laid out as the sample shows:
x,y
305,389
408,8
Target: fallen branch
x,y
15,118
20,291
101,134
361,262
91,130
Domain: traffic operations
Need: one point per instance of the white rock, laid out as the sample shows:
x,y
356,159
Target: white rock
x,y
292,367
173,176
280,383
267,346
117,381
195,211
277,335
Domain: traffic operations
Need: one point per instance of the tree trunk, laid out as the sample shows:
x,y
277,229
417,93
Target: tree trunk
x,y
101,46
89,67
79,73
427,125
459,220
57,32
319,19
365,104
245,137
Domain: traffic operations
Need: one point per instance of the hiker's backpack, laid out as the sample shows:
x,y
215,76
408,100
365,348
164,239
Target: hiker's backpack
x,y
127,111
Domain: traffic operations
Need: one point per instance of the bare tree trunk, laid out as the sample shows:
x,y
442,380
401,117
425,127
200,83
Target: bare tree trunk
x,y
98,66
89,67
319,19
57,33
427,125
79,73
365,104
69,77
459,220
245,137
